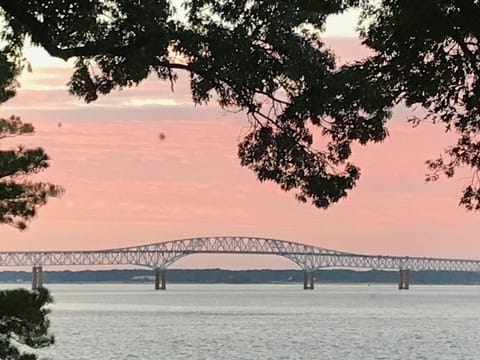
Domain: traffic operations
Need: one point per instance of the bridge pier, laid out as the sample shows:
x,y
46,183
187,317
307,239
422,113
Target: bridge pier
x,y
37,277
308,280
160,280
403,279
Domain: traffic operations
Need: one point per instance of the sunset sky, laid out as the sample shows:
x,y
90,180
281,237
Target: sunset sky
x,y
126,186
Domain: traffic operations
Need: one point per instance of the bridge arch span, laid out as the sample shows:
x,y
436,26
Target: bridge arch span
x,y
163,254
159,256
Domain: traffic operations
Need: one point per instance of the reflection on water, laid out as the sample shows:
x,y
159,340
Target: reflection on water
x,y
124,321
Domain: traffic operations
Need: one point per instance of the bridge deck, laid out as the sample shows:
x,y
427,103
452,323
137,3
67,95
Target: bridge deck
x,y
162,255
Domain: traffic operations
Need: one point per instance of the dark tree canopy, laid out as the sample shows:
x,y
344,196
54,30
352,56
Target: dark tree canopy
x,y
267,58
23,314
19,197
23,320
427,54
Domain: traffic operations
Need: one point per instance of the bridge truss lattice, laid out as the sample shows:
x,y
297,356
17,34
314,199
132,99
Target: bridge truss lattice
x,y
163,254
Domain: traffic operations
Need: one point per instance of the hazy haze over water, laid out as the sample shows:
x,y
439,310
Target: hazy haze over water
x,y
125,321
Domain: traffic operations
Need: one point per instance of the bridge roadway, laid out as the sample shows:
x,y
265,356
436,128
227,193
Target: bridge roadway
x,y
160,256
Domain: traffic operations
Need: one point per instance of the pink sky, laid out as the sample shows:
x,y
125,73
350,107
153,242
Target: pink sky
x,y
124,186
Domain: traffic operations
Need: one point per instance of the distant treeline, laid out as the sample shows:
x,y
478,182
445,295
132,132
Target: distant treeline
x,y
245,276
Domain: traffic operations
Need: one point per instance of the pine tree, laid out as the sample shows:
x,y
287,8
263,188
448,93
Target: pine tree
x,y
23,313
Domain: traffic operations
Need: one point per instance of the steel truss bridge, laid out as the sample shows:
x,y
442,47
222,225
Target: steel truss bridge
x,y
160,256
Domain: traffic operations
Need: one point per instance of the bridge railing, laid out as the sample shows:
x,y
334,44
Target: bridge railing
x,y
160,256
164,258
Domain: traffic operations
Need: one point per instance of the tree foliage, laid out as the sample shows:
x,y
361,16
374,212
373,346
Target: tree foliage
x,y
267,58
24,321
427,55
19,197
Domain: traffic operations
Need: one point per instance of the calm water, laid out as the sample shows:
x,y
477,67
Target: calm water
x,y
120,321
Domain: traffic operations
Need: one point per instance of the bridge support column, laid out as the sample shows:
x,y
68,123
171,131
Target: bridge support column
x,y
37,277
403,279
308,280
160,280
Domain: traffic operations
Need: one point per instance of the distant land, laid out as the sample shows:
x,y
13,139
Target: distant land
x,y
210,276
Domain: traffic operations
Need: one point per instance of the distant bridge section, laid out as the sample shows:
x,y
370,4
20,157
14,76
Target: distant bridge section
x,y
160,256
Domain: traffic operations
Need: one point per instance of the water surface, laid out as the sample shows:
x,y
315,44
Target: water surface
x,y
126,321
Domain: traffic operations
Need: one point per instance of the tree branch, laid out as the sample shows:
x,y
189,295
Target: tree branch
x,y
459,39
41,35
37,30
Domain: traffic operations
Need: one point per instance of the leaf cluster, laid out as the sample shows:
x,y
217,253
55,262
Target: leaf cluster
x,y
428,54
262,57
23,320
266,58
19,197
